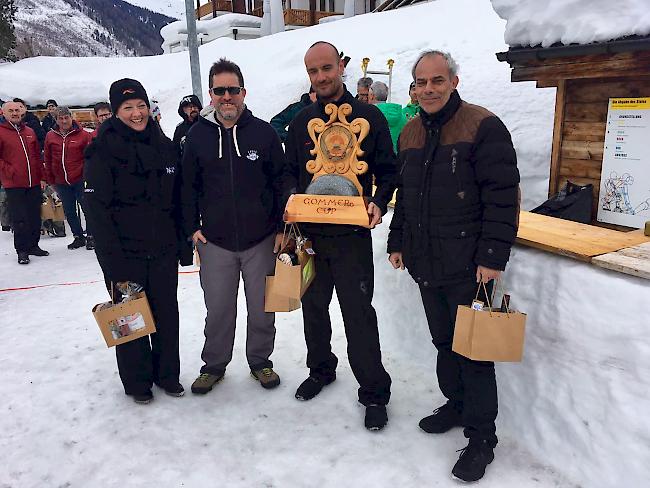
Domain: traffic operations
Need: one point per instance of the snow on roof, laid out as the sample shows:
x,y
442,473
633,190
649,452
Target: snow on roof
x,y
179,29
535,22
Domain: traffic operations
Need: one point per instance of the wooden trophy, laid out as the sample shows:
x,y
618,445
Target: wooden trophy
x,y
334,195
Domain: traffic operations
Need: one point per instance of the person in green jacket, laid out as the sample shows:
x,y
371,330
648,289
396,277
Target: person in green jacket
x,y
413,107
281,121
377,96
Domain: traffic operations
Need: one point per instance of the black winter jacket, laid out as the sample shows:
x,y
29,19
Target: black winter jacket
x,y
131,197
378,153
280,121
232,181
48,122
457,198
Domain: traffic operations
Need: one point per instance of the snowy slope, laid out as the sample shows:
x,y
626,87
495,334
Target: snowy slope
x,y
532,23
54,28
172,8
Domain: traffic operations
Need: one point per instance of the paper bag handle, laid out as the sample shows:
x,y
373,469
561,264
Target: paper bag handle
x,y
487,296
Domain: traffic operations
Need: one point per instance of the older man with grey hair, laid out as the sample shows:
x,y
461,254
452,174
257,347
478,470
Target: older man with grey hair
x,y
64,163
363,87
454,224
394,113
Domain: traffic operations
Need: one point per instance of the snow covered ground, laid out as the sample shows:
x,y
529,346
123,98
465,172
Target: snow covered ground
x,y
65,420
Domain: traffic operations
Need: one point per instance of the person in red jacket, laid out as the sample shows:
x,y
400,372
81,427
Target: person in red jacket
x,y
103,112
64,163
21,171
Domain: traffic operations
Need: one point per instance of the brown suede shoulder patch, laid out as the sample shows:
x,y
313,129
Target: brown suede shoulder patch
x,y
464,124
413,135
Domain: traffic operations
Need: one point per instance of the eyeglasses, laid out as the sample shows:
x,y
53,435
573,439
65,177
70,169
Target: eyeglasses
x,y
220,91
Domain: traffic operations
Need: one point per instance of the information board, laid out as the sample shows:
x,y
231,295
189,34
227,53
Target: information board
x,y
625,178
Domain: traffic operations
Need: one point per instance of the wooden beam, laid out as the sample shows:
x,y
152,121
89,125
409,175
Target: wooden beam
x,y
590,150
558,127
584,131
581,168
586,112
602,66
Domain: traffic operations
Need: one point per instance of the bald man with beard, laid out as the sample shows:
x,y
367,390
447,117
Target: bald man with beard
x,y
343,252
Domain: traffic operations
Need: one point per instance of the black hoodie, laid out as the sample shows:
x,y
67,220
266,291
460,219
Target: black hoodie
x,y
232,181
181,129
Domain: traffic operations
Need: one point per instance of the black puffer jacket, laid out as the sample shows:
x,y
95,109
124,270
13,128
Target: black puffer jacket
x,y
457,200
232,181
378,153
131,196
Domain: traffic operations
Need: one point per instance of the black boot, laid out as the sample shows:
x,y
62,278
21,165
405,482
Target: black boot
x,y
443,419
79,241
37,251
6,228
312,387
23,258
376,417
90,243
473,460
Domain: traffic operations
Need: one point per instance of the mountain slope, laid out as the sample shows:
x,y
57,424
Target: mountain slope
x,y
86,28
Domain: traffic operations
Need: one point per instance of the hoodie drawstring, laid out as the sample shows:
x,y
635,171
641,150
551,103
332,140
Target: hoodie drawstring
x,y
234,138
220,143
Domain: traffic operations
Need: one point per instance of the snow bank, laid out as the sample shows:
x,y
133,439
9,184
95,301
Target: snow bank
x,y
580,399
533,23
275,76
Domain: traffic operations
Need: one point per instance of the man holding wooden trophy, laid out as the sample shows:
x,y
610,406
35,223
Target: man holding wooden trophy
x,y
334,149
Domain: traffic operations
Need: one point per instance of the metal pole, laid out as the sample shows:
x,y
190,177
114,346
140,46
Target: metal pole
x,y
193,47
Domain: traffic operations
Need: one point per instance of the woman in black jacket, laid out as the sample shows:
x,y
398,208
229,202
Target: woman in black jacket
x,y
131,198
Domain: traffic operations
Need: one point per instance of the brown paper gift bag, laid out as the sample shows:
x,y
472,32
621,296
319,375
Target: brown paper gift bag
x,y
288,285
125,321
52,211
489,335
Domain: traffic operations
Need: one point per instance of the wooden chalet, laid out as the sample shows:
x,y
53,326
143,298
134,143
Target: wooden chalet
x,y
586,77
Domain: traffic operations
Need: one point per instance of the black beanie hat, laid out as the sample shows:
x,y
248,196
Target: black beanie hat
x,y
126,89
51,101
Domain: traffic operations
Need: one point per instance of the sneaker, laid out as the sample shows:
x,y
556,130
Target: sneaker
x,y
176,390
90,243
312,387
23,258
79,241
267,377
205,382
37,251
143,398
376,417
473,460
6,228
443,419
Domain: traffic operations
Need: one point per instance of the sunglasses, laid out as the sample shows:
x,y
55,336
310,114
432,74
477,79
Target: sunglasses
x,y
220,91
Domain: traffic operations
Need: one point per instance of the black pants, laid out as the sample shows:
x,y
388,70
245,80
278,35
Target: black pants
x,y
470,385
24,206
345,262
141,362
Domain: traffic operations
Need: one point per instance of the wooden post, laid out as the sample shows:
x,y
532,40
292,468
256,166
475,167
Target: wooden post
x,y
558,128
198,9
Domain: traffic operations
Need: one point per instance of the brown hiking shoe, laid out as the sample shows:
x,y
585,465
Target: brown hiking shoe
x,y
267,377
205,382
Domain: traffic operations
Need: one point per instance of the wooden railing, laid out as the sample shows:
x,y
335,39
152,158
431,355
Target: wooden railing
x,y
305,18
292,16
221,6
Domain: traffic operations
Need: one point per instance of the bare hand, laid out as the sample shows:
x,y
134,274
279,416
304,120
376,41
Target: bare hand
x,y
395,259
43,185
375,215
198,236
278,242
485,275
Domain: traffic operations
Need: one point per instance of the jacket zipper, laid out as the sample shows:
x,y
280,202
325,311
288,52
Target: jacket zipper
x,y
29,169
65,173
232,188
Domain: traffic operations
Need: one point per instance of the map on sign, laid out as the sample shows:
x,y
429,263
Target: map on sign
x,y
625,178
